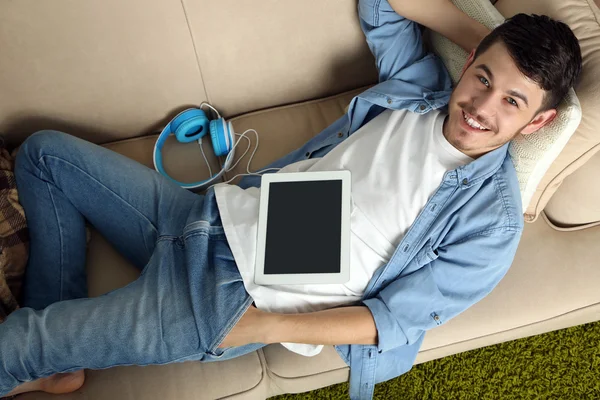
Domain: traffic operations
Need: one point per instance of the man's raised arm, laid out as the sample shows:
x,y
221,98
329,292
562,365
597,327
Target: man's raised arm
x,y
392,30
445,18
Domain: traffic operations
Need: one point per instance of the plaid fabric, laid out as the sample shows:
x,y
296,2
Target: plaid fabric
x,y
14,237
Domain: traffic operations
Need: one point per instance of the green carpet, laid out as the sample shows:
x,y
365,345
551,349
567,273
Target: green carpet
x,y
560,365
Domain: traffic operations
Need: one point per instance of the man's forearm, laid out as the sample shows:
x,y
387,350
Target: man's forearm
x,y
344,325
445,18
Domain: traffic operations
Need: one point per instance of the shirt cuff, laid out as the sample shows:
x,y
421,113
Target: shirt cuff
x,y
389,333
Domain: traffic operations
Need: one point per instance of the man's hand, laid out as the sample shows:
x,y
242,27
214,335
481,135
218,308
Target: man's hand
x,y
343,325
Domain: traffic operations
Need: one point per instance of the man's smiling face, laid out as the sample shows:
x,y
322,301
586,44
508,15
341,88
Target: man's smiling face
x,y
492,103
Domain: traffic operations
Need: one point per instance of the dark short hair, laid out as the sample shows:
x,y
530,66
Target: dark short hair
x,y
545,50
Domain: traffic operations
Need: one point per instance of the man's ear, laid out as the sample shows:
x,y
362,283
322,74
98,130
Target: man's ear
x,y
540,120
468,63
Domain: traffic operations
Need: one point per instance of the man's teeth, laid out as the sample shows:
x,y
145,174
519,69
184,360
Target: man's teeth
x,y
472,123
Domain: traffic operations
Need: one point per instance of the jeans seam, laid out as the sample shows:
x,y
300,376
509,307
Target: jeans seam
x,y
60,238
212,236
40,161
170,238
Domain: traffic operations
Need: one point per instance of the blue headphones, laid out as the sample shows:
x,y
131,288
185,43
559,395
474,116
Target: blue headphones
x,y
191,125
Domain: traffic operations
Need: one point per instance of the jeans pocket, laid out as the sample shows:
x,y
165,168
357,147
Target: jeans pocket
x,y
217,352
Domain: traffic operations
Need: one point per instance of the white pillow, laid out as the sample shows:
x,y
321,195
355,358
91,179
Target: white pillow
x,y
532,154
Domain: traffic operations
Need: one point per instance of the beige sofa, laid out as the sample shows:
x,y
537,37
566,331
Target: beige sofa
x,y
115,71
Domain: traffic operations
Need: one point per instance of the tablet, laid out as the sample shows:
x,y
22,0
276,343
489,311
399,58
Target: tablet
x,y
304,228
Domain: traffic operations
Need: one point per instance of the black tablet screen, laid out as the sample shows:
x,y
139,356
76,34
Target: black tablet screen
x,y
304,227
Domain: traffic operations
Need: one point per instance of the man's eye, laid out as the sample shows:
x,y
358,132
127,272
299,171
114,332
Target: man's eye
x,y
512,101
484,81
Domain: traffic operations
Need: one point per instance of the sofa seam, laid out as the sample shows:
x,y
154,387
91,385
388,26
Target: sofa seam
x,y
262,378
296,104
591,7
271,372
267,373
127,140
574,228
251,113
187,21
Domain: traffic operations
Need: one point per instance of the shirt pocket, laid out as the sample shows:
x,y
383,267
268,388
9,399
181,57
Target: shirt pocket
x,y
364,230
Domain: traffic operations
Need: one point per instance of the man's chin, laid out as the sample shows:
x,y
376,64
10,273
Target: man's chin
x,y
461,139
456,133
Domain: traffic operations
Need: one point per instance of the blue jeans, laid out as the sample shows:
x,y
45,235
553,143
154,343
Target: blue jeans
x,y
189,294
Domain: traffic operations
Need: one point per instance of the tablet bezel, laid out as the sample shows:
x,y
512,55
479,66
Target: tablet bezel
x,y
260,278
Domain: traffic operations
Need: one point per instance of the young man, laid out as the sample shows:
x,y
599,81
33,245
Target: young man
x,y
436,219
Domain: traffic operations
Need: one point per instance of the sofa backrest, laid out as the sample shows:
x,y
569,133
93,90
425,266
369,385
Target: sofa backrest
x,y
109,69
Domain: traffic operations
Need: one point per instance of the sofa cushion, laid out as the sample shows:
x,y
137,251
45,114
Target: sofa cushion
x,y
104,70
576,203
532,154
294,373
260,54
284,129
582,16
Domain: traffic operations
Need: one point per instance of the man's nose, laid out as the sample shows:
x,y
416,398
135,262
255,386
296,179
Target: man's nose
x,y
484,105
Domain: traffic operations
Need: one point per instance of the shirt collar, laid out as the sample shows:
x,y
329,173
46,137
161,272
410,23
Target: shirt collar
x,y
483,167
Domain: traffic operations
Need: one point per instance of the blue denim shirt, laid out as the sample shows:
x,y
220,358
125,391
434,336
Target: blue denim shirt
x,y
465,238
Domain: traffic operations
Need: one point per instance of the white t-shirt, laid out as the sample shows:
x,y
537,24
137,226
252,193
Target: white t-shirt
x,y
397,161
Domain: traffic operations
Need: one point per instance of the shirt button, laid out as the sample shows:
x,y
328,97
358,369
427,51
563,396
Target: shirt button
x,y
465,181
422,107
389,101
340,134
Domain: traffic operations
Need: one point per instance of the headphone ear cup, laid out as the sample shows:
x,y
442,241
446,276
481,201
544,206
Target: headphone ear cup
x,y
190,125
221,135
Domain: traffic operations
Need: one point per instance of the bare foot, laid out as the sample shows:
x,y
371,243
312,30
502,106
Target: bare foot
x,y
64,383
56,384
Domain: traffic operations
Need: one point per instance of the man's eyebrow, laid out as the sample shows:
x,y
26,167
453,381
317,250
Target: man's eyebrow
x,y
514,93
486,70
